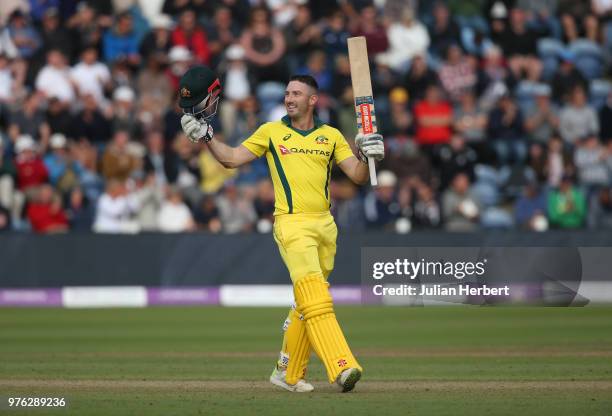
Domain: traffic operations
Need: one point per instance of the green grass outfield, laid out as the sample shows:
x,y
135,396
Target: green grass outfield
x,y
216,361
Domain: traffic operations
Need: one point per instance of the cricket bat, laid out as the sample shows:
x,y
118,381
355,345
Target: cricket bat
x,y
362,91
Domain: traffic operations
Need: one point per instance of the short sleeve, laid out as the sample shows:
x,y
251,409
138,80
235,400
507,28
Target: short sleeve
x,y
342,151
258,142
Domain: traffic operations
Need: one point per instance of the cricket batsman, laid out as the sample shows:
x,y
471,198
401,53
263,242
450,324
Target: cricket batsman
x,y
300,151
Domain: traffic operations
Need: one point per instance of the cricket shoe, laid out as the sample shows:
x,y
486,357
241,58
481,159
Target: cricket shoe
x,y
278,378
348,378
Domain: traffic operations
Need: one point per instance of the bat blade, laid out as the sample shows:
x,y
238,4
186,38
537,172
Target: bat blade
x,y
362,91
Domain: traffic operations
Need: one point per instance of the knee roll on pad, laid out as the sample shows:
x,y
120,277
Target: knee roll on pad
x,y
315,303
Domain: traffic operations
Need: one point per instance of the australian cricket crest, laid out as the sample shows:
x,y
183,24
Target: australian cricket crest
x,y
321,140
185,93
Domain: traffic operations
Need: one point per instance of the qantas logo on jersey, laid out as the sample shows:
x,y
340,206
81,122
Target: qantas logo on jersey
x,y
294,150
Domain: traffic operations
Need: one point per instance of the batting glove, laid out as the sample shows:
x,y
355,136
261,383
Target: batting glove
x,y
196,130
370,145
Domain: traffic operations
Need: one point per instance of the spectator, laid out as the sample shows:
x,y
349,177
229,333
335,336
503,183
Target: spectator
x,y
335,35
264,201
519,44
602,209
543,117
577,118
30,120
10,84
316,66
443,31
264,47
123,112
505,129
419,77
64,173
159,162
22,34
222,33
54,35
207,215
190,35
382,207
566,205
150,197
559,162
155,90
121,42
116,210
90,124
174,216
91,76
86,27
567,78
460,208
59,118
237,88
530,209
45,212
54,79
237,214
590,159
347,207
7,179
426,210
117,162
302,36
456,158
31,171
158,41
433,116
190,172
79,211
399,122
5,219
180,60
457,73
470,121
407,39
605,120
367,24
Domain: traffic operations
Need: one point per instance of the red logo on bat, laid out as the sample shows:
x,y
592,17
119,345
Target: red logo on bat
x,y
341,363
366,118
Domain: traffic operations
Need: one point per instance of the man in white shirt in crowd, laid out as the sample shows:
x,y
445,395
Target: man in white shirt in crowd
x,y
54,79
91,76
116,210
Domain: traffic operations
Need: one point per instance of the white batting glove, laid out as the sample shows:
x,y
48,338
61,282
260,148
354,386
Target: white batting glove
x,y
196,130
370,145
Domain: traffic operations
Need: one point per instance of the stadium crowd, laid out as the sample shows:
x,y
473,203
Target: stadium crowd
x,y
495,113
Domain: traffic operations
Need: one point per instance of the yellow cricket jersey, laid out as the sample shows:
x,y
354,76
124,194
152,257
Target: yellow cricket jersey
x,y
300,163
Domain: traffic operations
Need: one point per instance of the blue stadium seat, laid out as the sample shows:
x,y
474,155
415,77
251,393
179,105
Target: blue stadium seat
x,y
589,58
599,91
549,50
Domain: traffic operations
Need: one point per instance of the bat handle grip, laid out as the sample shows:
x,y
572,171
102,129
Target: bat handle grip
x,y
372,168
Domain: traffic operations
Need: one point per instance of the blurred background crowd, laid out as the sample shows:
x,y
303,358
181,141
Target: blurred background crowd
x,y
496,114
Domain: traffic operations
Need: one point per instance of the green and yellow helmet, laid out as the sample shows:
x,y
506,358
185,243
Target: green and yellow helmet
x,y
199,91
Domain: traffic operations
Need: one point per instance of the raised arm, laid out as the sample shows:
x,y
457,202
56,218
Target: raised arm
x,y
230,157
200,131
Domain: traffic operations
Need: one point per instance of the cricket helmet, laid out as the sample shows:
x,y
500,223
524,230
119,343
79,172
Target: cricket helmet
x,y
199,91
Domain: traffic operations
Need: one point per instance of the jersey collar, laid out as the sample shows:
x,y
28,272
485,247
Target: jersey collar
x,y
317,123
